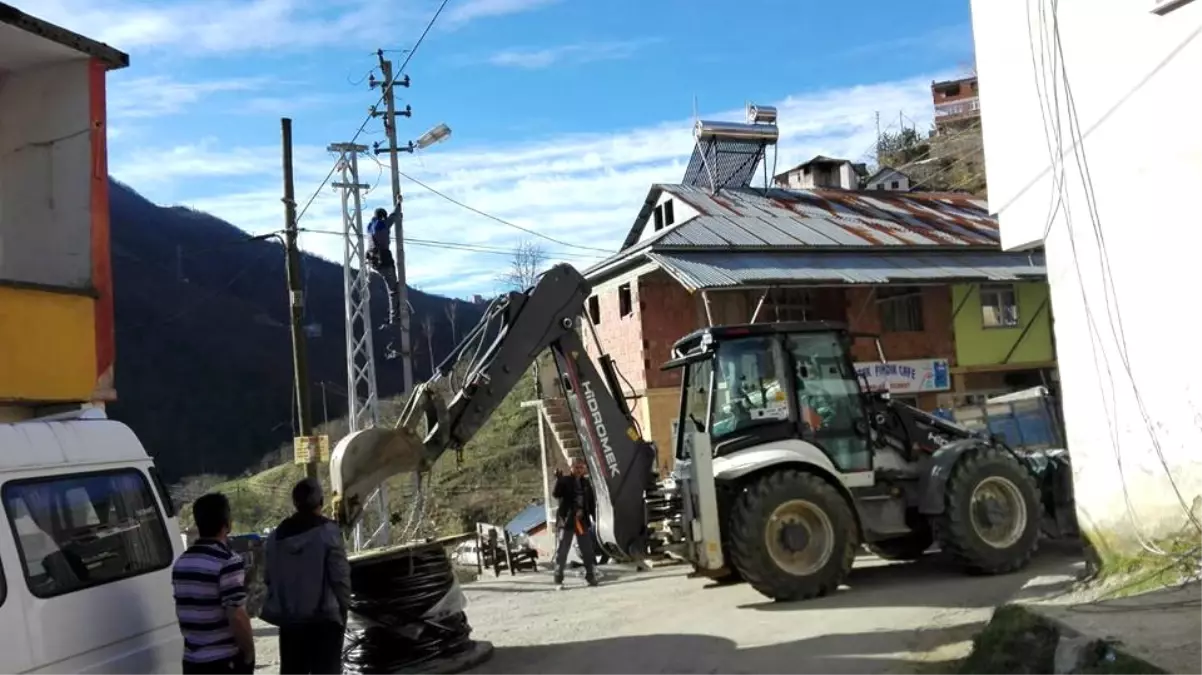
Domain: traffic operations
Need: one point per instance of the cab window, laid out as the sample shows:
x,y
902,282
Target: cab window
x,y
76,531
828,395
748,391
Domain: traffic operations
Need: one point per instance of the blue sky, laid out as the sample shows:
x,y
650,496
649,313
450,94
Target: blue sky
x,y
563,112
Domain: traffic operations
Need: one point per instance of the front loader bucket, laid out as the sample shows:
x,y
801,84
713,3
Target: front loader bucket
x,y
365,459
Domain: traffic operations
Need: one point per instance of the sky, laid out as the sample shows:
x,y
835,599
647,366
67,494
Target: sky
x,y
563,112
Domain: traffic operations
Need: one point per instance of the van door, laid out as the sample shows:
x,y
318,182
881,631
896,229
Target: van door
x,y
14,638
96,556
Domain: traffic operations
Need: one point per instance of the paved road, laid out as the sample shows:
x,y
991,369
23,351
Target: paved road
x,y
889,617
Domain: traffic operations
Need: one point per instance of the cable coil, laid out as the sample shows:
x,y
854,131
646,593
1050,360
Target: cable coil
x,y
406,611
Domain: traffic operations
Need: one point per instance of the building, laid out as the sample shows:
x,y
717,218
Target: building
x,y
56,328
823,172
1121,242
888,179
924,271
957,103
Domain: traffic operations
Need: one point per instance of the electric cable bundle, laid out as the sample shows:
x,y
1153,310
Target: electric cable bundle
x,y
406,611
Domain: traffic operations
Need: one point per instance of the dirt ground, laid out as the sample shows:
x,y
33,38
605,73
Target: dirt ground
x,y
891,617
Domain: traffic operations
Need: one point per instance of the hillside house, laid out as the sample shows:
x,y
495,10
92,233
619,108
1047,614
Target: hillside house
x,y
958,316
888,179
957,103
823,172
1119,247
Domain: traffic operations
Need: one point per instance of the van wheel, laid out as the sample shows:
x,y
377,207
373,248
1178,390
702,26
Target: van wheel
x,y
990,523
793,536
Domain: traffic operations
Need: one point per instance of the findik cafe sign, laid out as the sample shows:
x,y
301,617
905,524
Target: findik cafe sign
x,y
906,377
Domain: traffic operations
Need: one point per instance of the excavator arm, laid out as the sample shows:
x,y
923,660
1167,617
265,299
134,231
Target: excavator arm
x,y
445,412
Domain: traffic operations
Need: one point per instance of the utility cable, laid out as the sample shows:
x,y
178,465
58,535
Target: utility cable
x,y
458,246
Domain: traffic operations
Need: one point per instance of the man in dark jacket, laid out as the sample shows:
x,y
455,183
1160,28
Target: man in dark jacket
x,y
308,580
379,257
574,519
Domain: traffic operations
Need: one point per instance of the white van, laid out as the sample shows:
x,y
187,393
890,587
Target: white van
x,y
87,539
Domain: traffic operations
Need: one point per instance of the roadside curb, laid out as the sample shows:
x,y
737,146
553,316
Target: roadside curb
x,y
1021,639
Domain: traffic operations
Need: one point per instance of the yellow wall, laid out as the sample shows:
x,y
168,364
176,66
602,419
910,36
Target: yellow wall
x,y
47,346
656,410
980,346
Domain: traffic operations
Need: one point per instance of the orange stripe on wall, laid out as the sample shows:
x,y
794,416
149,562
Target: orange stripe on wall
x,y
102,265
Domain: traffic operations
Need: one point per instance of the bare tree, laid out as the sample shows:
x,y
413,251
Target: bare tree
x,y
527,263
428,329
452,310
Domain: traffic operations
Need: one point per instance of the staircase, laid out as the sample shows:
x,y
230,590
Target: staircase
x,y
563,428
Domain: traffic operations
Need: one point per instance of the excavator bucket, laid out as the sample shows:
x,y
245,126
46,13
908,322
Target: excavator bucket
x,y
364,459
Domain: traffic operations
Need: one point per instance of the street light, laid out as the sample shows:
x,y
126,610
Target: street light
x,y
435,135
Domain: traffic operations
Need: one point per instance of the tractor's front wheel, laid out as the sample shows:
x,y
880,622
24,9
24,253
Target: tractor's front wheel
x,y
792,535
991,517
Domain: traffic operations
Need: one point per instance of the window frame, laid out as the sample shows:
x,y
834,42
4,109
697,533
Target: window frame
x,y
998,291
898,297
147,484
593,309
625,300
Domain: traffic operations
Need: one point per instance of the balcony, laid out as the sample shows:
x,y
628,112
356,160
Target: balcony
x,y
966,107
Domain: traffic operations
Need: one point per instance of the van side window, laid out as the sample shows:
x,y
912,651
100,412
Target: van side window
x,y
76,531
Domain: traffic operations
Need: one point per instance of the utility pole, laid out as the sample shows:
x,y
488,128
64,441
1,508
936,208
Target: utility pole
x,y
390,116
296,299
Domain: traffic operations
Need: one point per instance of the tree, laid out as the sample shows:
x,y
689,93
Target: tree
x,y
452,309
527,263
902,147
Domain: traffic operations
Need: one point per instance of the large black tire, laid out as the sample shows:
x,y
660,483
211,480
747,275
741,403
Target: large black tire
x,y
751,546
958,533
909,547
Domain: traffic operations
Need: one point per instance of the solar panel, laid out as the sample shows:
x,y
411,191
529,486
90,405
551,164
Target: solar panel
x,y
727,154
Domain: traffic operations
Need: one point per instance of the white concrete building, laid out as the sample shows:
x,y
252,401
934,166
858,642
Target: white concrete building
x,y
1109,184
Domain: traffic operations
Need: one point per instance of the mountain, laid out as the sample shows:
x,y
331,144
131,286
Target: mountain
x,y
204,355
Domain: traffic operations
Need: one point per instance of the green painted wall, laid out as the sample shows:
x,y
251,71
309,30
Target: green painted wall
x,y
978,346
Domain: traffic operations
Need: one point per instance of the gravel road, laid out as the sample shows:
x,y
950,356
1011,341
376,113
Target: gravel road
x,y
889,618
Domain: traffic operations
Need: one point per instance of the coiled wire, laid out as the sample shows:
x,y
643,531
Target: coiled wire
x,y
390,627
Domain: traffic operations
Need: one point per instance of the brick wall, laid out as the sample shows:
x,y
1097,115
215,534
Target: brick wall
x,y
936,340
621,336
669,313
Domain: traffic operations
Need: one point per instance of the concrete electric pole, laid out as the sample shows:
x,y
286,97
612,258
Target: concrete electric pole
x,y
390,115
296,299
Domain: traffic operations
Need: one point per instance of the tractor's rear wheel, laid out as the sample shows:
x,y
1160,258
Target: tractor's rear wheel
x,y
792,535
991,517
909,547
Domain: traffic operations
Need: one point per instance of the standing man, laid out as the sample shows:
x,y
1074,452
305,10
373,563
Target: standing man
x,y
379,257
210,596
308,582
574,520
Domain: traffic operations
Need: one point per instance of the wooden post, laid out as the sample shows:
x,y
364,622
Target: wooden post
x,y
508,557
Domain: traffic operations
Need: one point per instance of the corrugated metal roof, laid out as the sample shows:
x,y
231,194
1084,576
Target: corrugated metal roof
x,y
531,517
712,269
822,218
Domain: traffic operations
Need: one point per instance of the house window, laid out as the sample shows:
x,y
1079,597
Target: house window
x,y
791,304
999,306
901,309
658,214
895,185
669,213
625,305
75,531
594,310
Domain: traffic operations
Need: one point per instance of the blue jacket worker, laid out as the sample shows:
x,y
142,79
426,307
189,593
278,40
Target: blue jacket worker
x,y
308,580
379,257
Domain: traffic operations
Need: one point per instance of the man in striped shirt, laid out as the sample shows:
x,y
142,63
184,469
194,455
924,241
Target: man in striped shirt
x,y
210,596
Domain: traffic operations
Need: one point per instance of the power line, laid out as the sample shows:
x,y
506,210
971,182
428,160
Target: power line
x,y
475,248
502,221
369,117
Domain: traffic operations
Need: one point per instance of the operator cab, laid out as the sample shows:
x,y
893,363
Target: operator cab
x,y
745,386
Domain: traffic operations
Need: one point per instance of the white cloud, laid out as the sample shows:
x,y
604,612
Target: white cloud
x,y
585,52
585,188
159,95
230,27
469,10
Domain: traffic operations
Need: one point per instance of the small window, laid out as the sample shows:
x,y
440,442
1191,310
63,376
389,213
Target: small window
x,y
895,185
594,310
999,306
791,304
901,309
625,305
658,214
82,530
669,213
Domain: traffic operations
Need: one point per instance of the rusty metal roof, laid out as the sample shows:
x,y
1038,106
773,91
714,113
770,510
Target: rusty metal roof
x,y
824,218
698,270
